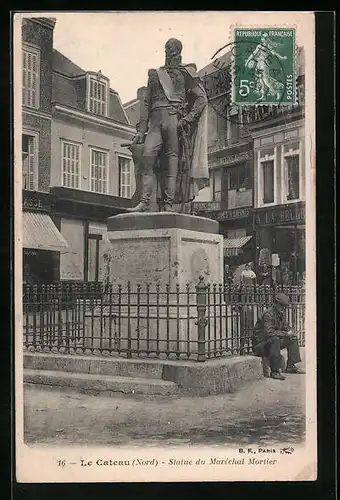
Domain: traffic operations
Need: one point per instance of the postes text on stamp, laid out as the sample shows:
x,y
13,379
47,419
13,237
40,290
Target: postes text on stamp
x,y
264,66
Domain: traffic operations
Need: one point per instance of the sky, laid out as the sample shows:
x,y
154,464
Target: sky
x,y
125,45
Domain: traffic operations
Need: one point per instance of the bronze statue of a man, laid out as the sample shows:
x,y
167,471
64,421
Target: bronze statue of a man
x,y
172,127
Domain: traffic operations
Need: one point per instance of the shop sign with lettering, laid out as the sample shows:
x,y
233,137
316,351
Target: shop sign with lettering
x,y
206,206
222,215
36,202
235,213
32,203
230,159
281,215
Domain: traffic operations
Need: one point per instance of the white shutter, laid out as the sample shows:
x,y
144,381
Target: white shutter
x,y
30,78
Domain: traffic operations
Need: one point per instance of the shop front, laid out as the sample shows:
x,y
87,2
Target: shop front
x,y
81,217
237,230
42,241
280,242
236,226
231,182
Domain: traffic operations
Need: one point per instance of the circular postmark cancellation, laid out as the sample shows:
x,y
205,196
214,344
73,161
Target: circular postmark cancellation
x,y
257,70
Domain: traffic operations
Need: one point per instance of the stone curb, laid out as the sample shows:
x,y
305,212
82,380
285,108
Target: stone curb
x,y
217,376
100,383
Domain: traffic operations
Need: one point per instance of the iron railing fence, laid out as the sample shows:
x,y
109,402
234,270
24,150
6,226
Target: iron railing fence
x,y
197,323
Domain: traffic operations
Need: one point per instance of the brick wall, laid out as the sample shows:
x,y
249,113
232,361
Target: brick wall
x,y
40,36
33,123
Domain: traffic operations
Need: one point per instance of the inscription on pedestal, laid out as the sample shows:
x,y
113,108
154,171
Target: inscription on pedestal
x,y
143,260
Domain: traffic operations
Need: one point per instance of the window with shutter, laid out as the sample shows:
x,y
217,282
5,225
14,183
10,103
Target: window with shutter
x,y
99,171
30,77
70,165
125,177
29,160
97,97
268,181
292,176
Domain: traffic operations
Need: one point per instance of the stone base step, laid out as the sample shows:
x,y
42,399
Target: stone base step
x,y
101,383
214,376
94,365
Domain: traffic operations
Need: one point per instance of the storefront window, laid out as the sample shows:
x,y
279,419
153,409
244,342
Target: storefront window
x,y
216,184
92,254
40,267
237,185
72,261
240,178
236,233
268,181
93,257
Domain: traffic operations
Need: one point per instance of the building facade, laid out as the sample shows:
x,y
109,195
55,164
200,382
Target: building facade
x,y
91,172
279,195
229,198
42,242
76,173
256,158
257,177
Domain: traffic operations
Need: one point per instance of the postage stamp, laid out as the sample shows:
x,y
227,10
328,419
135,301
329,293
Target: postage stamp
x,y
264,66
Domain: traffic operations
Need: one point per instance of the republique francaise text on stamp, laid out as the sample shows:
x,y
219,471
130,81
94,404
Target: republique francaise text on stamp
x,y
264,66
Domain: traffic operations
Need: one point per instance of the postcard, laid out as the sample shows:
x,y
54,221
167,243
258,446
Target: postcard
x,y
165,286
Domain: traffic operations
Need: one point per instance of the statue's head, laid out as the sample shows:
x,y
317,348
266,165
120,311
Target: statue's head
x,y
173,49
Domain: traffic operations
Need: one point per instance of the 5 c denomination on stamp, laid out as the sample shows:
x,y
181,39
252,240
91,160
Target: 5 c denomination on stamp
x,y
264,66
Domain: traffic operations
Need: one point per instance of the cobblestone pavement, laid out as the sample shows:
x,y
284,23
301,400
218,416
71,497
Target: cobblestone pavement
x,y
265,412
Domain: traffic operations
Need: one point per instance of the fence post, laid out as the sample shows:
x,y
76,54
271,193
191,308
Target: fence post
x,y
201,300
129,353
60,312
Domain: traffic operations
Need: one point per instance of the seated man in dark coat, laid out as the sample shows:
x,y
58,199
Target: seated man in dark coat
x,y
271,334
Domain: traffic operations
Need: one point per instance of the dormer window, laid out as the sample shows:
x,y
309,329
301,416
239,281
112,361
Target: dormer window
x,y
97,94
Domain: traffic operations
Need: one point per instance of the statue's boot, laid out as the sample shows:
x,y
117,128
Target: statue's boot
x,y
141,207
168,208
147,187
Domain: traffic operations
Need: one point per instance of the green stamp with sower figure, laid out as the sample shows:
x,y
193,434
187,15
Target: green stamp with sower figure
x,y
264,66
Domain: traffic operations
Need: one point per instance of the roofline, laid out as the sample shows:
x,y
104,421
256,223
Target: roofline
x,y
121,105
130,103
77,77
108,122
95,73
270,130
68,59
69,77
48,22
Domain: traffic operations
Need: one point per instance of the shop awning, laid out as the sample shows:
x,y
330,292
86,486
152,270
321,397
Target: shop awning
x,y
232,246
40,233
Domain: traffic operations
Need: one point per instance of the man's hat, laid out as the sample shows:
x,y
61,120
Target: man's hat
x,y
281,298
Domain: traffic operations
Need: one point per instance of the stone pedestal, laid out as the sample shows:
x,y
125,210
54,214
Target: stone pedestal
x,y
162,256
165,248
